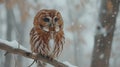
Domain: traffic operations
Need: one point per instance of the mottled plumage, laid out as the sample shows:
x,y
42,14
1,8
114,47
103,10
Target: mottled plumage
x,y
47,35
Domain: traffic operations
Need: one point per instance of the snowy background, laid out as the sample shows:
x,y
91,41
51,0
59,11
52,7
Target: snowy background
x,y
80,20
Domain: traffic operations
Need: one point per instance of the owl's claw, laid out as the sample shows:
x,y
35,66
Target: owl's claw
x,y
50,58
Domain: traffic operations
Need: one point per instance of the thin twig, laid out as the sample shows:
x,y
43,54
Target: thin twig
x,y
6,53
32,63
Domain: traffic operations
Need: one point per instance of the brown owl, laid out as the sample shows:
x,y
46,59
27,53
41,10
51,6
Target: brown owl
x,y
47,35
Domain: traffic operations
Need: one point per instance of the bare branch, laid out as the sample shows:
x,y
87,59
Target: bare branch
x,y
27,54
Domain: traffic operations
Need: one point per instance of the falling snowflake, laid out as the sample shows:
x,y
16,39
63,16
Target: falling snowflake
x,y
101,56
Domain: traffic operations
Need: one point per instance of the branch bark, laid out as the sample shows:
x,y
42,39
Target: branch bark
x,y
103,42
27,54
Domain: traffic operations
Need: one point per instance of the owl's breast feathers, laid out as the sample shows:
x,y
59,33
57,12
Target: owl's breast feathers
x,y
46,43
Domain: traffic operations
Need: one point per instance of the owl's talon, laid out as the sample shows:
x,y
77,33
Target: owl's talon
x,y
50,58
46,56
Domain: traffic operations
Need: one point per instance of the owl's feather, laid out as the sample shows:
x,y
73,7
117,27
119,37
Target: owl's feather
x,y
47,36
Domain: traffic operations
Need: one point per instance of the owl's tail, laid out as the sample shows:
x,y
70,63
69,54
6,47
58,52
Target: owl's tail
x,y
41,64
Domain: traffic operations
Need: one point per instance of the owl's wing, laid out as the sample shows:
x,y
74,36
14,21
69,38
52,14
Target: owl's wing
x,y
39,43
31,39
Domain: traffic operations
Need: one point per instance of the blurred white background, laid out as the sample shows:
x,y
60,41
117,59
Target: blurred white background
x,y
80,20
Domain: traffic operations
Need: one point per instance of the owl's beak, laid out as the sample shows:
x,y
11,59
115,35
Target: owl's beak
x,y
54,27
51,25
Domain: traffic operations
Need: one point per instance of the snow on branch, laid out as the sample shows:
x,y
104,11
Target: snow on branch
x,y
15,48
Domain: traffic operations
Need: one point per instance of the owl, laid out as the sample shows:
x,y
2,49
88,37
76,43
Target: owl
x,y
47,35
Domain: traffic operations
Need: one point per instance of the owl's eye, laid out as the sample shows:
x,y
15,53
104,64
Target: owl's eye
x,y
56,19
46,19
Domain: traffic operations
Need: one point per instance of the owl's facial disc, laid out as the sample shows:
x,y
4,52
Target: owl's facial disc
x,y
51,25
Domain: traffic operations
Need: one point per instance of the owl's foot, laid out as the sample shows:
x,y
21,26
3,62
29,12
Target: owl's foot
x,y
51,58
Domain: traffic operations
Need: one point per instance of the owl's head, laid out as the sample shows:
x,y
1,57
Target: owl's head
x,y
48,20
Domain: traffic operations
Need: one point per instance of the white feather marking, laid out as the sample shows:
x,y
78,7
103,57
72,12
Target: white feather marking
x,y
39,49
45,29
35,32
40,46
51,45
34,36
35,39
57,29
37,44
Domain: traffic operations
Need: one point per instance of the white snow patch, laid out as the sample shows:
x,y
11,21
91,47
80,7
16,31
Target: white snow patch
x,y
102,31
105,34
14,44
101,56
69,64
104,20
98,40
113,15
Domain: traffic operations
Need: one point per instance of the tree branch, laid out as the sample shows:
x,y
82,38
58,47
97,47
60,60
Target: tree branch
x,y
27,54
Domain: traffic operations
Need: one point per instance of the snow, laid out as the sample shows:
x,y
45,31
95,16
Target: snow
x,y
14,44
101,56
113,15
105,21
69,64
87,14
98,40
102,31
